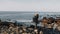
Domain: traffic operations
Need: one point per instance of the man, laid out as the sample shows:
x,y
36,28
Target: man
x,y
35,19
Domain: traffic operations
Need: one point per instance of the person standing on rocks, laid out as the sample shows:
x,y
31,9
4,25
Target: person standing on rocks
x,y
35,19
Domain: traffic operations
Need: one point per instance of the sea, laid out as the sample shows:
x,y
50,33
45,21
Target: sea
x,y
24,16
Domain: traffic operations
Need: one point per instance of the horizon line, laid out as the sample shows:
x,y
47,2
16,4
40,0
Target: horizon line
x,y
29,11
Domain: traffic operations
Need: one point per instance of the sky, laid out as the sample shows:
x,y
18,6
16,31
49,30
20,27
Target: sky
x,y
30,5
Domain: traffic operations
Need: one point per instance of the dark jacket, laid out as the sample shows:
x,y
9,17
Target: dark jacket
x,y
35,18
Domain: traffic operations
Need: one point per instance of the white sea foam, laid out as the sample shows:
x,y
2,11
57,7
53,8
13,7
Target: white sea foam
x,y
24,20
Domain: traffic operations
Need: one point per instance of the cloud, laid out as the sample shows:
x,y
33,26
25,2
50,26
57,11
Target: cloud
x,y
29,5
15,6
